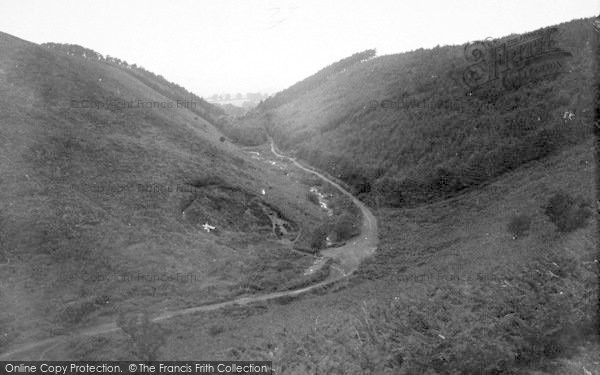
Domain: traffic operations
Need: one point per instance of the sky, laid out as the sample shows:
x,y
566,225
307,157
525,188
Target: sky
x,y
231,46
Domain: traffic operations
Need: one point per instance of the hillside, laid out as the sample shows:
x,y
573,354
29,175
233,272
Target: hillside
x,y
108,175
449,291
168,89
405,128
479,201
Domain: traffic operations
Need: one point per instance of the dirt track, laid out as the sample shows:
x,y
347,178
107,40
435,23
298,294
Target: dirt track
x,y
346,260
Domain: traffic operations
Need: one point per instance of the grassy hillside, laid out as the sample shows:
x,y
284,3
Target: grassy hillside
x,y
403,129
449,291
105,185
157,82
499,279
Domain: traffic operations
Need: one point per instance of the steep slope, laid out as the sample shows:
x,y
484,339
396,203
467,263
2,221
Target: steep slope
x,y
106,183
170,90
252,130
406,128
449,290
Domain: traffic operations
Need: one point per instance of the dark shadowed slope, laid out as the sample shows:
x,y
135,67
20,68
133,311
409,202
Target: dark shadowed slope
x,y
405,128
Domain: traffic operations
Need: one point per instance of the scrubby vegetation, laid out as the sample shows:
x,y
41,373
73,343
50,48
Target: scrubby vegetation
x,y
297,90
535,299
145,337
566,212
343,224
345,227
501,325
74,312
318,237
246,134
276,270
312,198
538,313
519,225
157,82
338,228
413,132
109,200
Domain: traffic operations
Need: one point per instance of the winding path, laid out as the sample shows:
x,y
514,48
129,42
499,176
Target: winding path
x,y
350,255
346,260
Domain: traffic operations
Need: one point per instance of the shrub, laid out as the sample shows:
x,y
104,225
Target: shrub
x,y
519,225
533,316
75,312
216,330
312,197
445,181
222,139
317,239
387,191
540,311
344,227
566,212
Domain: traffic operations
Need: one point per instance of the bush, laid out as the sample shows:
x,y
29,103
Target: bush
x,y
541,310
75,313
222,139
345,227
317,239
519,225
530,317
216,330
566,212
312,197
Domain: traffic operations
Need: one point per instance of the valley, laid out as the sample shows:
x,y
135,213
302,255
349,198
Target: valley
x,y
347,257
388,214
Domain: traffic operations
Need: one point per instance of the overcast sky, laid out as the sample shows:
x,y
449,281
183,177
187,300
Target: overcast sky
x,y
221,46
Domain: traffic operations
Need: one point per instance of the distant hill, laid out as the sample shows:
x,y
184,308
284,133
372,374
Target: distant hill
x,y
406,128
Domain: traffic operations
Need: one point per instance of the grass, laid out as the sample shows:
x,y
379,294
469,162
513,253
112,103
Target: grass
x,y
448,290
277,269
519,225
92,199
438,138
449,268
312,198
566,212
